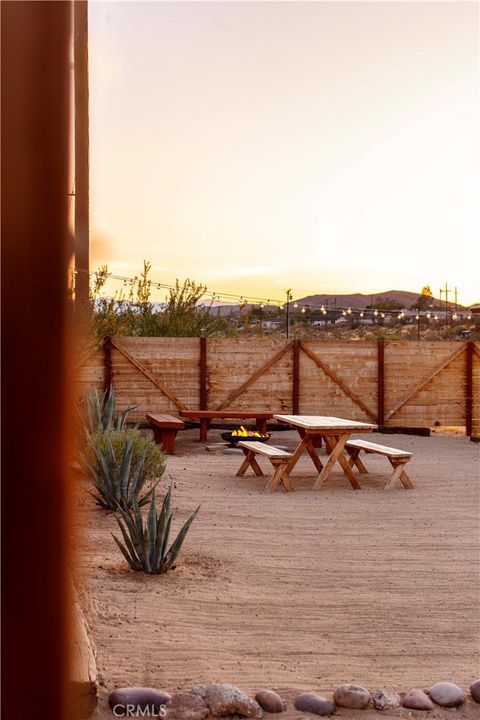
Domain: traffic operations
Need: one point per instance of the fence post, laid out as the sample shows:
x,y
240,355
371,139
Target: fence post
x,y
469,388
203,374
296,377
381,382
107,365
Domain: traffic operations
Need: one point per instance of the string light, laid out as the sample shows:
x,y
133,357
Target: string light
x,y
469,317
303,310
295,305
344,312
382,315
429,316
417,317
375,312
361,314
349,311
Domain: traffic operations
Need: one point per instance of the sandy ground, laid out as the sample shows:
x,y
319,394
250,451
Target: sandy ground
x,y
300,591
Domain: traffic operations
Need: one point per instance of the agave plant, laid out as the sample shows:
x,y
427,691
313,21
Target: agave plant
x,y
100,411
119,484
146,545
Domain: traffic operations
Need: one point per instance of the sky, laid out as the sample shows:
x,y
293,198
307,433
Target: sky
x,y
325,147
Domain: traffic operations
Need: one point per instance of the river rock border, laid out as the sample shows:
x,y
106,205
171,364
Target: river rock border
x,y
219,700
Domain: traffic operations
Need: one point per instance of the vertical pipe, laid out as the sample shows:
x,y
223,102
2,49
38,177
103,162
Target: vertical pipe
x,y
35,77
469,388
82,221
381,382
203,374
296,377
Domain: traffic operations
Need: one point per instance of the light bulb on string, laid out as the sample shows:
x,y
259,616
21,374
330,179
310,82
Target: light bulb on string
x,y
382,315
361,314
469,317
428,316
417,317
323,308
303,310
343,313
375,312
349,311
295,305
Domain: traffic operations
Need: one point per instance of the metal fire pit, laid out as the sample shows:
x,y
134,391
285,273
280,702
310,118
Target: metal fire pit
x,y
234,439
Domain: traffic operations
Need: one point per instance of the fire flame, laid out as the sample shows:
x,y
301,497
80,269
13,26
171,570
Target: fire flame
x,y
243,432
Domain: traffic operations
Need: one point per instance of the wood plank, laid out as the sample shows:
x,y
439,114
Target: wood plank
x,y
203,374
469,388
296,377
163,388
381,382
424,382
318,423
238,391
262,449
338,381
380,449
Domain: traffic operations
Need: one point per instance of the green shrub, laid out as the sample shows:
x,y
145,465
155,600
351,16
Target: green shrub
x,y
123,464
146,544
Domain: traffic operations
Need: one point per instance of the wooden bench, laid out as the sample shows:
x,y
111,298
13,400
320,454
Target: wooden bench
x,y
278,458
165,428
398,460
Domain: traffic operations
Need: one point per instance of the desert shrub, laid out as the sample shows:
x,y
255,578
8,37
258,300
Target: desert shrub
x,y
125,466
146,544
131,311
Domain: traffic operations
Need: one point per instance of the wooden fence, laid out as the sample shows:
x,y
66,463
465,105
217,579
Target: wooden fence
x,y
412,384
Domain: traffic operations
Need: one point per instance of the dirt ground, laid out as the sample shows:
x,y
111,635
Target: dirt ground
x,y
300,591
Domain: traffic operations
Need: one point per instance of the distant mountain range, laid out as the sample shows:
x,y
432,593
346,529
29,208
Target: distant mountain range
x,y
359,301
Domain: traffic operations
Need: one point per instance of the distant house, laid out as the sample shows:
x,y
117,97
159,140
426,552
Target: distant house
x,y
475,309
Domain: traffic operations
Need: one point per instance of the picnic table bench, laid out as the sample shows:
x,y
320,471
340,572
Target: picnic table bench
x,y
398,459
165,428
206,416
278,458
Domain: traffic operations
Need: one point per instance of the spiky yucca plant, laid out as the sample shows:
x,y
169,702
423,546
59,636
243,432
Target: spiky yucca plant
x,y
116,481
100,411
146,545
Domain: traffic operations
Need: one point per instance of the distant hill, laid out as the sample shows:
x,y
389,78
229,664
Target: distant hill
x,y
360,301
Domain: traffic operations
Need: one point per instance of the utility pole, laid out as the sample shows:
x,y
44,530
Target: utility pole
x,y
289,297
82,222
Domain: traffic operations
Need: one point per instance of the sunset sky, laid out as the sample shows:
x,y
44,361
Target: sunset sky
x,y
328,147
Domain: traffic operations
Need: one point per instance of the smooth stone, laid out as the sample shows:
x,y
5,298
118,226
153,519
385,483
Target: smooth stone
x,y
309,702
475,691
352,696
270,701
226,699
143,698
187,706
384,699
447,694
417,700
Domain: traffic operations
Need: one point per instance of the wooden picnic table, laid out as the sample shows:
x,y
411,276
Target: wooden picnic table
x,y
206,416
335,432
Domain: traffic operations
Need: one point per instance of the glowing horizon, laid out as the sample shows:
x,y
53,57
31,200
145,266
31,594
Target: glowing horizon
x,y
330,148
